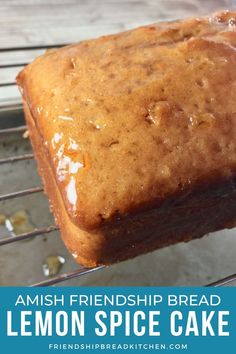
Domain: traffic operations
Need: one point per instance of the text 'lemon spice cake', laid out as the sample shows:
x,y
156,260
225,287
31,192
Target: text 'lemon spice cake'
x,y
135,136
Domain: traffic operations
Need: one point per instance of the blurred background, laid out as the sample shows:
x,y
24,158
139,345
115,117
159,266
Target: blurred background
x,y
25,23
27,29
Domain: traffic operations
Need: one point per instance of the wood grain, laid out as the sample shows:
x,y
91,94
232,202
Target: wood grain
x,y
28,22
46,22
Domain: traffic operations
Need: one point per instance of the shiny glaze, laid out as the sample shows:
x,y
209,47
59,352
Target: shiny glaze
x,y
130,119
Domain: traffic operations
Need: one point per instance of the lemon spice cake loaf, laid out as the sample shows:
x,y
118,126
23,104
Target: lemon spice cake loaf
x,y
135,136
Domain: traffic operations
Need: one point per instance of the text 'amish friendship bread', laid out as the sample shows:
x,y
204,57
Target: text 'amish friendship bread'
x,y
135,136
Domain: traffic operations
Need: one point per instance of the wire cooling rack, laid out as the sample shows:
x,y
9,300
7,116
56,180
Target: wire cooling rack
x,y
13,59
37,231
13,104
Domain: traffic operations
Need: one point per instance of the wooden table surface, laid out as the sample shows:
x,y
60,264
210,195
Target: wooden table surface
x,y
26,23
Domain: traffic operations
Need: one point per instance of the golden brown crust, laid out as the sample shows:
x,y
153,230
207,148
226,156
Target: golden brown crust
x,y
182,218
130,122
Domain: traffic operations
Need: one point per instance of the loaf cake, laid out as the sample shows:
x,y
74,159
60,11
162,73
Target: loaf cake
x,y
135,136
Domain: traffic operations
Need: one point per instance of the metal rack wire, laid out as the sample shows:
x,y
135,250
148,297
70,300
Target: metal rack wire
x,y
8,105
49,229
14,105
36,232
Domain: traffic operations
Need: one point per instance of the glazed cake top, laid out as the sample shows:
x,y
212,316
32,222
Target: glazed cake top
x,y
130,119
